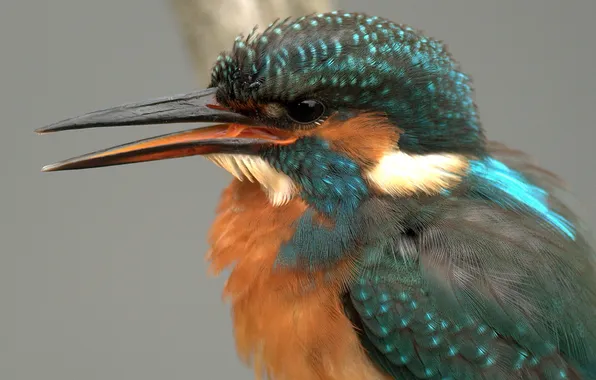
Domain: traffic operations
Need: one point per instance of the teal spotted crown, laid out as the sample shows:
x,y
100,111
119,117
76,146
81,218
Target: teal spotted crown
x,y
350,61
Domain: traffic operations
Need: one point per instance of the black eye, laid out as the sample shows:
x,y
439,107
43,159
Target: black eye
x,y
306,111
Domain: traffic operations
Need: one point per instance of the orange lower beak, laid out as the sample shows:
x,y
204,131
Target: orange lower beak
x,y
239,135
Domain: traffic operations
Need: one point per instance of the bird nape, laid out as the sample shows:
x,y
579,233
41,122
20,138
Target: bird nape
x,y
372,231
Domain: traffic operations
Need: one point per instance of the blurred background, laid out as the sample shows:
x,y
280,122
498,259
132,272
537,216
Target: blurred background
x,y
102,272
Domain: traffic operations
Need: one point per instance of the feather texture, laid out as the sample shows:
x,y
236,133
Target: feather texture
x,y
403,174
279,187
467,287
289,325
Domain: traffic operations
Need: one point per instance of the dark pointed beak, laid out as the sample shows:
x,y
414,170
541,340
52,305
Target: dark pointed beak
x,y
238,134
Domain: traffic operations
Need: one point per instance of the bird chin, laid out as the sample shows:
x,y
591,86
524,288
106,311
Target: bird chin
x,y
280,188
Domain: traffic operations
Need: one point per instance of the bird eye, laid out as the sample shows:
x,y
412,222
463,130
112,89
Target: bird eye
x,y
306,111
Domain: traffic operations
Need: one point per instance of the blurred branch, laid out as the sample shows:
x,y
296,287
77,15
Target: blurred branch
x,y
210,26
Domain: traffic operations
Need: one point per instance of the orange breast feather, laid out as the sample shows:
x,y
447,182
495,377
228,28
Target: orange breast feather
x,y
288,325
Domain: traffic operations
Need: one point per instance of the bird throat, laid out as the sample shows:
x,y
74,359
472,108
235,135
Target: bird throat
x,y
280,188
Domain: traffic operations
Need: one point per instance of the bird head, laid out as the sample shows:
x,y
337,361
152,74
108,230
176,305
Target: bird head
x,y
331,108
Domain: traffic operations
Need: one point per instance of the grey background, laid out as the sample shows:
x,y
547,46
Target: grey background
x,y
102,273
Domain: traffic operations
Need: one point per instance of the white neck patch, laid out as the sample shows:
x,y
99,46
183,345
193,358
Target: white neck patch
x,y
402,174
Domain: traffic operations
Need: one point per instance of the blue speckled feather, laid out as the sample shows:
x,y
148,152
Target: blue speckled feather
x,y
477,285
356,61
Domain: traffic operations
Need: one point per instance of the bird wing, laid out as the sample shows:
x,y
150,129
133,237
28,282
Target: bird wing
x,y
476,286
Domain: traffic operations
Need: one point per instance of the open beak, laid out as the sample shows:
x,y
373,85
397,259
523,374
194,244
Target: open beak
x,y
238,134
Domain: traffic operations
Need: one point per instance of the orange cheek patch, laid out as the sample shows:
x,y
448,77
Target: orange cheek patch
x,y
364,138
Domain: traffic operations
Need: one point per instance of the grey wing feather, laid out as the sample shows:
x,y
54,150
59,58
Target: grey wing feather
x,y
462,286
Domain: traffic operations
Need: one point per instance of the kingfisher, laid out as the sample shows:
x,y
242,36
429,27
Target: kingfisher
x,y
372,231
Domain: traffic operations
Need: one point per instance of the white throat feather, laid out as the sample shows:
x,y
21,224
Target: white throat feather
x,y
280,188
